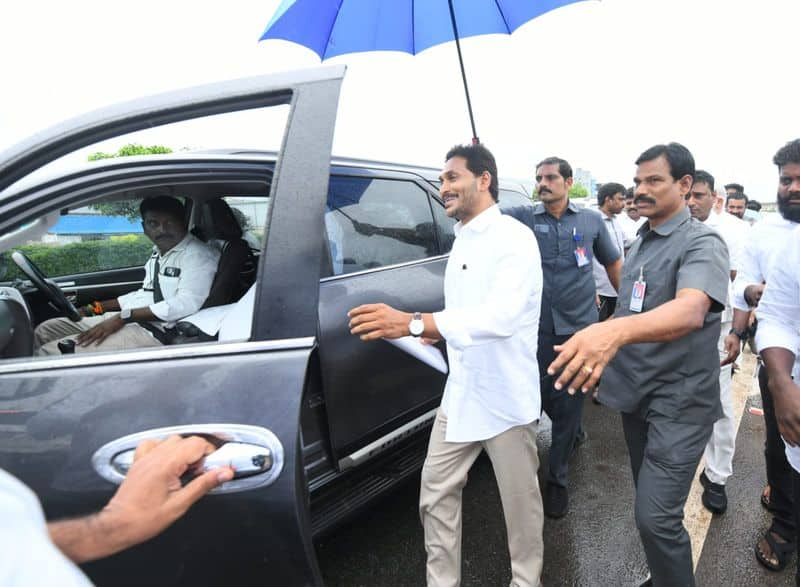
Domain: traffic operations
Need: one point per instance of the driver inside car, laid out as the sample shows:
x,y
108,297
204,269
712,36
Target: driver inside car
x,y
177,281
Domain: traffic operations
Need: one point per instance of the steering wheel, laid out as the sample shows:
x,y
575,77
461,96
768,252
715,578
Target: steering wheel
x,y
51,291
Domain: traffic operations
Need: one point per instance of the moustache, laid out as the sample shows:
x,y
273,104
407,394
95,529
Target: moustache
x,y
644,199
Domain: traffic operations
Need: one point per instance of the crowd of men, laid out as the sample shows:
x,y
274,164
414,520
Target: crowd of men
x,y
645,304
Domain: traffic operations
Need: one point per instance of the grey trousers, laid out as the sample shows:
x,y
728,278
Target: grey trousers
x,y
444,474
50,332
664,456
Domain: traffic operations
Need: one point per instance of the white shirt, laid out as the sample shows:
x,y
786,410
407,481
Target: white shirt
x,y
231,321
27,555
185,274
733,232
493,295
758,255
779,313
630,227
601,280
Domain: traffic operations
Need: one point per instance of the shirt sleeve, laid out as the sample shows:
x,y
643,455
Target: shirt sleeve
x,y
141,297
517,279
779,308
748,271
198,268
605,250
705,266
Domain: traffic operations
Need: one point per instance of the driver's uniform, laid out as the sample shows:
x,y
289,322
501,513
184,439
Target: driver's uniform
x,y
185,274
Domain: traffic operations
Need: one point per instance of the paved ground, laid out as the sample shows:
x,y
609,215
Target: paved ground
x,y
595,544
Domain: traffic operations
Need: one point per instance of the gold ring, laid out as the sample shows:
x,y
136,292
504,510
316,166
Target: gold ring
x,y
587,370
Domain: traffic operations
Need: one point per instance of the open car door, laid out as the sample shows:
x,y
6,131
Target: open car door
x,y
67,423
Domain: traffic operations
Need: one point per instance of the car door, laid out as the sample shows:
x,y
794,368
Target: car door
x,y
384,248
65,419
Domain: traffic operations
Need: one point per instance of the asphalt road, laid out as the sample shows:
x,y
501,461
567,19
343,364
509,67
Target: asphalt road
x,y
595,544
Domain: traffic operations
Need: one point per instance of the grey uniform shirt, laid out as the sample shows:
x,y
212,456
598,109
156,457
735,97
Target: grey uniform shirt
x,y
568,297
678,379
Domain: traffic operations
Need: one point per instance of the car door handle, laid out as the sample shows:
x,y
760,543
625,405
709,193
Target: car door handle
x,y
255,454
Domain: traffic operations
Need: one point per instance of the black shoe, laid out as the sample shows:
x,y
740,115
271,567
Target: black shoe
x,y
556,501
714,498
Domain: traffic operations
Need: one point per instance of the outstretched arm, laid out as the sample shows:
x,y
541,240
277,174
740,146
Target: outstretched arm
x,y
148,501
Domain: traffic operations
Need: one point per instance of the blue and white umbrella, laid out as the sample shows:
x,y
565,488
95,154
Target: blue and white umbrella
x,y
335,27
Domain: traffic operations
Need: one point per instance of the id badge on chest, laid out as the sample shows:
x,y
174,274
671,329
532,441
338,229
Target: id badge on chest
x,y
581,257
637,295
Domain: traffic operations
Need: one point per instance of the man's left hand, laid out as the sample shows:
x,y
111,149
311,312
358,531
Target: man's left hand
x,y
584,356
374,321
733,346
98,333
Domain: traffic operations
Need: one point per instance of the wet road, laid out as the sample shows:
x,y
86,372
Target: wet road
x,y
595,544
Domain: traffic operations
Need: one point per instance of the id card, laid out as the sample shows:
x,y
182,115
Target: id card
x,y
580,256
637,295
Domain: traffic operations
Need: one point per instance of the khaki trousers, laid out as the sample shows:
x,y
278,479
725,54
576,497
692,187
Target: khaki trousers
x,y
50,332
444,474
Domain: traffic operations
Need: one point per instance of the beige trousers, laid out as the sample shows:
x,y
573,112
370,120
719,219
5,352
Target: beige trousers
x,y
50,332
444,474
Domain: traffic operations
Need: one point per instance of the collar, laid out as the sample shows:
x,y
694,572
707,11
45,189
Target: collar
x,y
669,226
481,222
571,207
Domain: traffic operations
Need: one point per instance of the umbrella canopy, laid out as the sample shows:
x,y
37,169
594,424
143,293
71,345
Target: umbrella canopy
x,y
335,27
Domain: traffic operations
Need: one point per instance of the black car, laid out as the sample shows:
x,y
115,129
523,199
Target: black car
x,y
319,422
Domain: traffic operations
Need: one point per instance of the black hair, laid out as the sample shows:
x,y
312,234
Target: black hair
x,y
608,190
630,193
701,176
736,196
165,204
789,153
754,205
736,187
678,157
479,159
564,168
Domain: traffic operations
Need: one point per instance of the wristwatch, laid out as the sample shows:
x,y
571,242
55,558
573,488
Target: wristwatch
x,y
416,327
126,315
742,334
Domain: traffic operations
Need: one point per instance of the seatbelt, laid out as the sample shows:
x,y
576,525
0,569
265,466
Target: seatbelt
x,y
157,295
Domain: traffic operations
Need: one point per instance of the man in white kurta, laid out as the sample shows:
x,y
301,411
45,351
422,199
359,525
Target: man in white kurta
x,y
492,287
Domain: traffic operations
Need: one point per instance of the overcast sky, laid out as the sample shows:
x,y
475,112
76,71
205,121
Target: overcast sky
x,y
594,82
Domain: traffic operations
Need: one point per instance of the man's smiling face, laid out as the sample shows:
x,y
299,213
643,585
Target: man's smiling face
x,y
464,194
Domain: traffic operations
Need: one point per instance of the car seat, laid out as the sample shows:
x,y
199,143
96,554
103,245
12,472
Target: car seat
x,y
236,267
16,332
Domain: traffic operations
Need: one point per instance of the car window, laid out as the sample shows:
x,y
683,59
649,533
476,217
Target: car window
x,y
444,226
512,199
377,222
102,236
251,213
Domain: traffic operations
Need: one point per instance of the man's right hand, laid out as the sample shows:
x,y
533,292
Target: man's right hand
x,y
786,396
752,294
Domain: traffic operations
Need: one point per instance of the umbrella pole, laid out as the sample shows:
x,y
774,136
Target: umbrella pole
x,y
475,139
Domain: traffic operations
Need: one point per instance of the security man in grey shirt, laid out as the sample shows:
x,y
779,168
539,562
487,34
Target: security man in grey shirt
x,y
658,357
569,238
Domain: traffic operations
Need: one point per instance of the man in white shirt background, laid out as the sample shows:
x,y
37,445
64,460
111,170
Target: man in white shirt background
x,y
611,202
720,448
491,402
761,255
630,219
778,340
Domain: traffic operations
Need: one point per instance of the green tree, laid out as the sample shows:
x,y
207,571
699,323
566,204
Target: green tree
x,y
127,208
578,191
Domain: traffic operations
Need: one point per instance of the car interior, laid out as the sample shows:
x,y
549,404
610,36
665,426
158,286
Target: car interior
x,y
230,215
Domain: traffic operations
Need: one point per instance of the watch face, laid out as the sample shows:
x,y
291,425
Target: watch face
x,y
416,327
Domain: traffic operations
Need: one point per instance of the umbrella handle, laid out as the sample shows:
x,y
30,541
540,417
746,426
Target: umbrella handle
x,y
475,139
